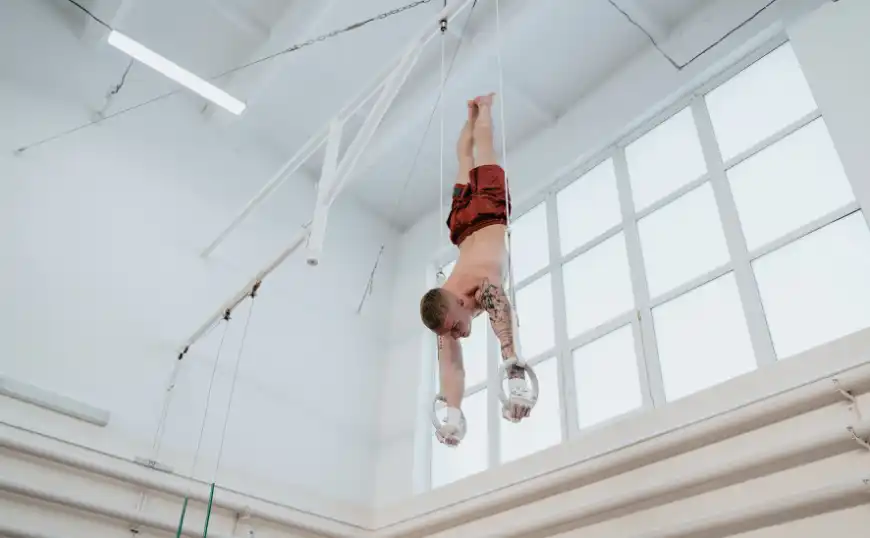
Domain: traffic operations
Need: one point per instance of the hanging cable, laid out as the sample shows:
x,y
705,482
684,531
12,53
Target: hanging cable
x,y
227,413
293,48
192,472
370,285
441,137
501,99
235,377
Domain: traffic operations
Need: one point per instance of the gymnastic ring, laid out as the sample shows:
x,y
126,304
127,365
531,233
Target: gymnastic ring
x,y
502,375
436,423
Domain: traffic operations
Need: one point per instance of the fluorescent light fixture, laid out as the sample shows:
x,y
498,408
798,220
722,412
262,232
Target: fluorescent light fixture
x,y
175,72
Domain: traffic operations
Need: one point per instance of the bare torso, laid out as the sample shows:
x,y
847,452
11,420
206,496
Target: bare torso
x,y
482,255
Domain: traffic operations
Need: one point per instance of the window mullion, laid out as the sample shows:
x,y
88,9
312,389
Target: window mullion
x,y
565,367
649,367
493,405
759,334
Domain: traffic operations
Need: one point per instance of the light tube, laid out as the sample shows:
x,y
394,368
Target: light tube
x,y
175,72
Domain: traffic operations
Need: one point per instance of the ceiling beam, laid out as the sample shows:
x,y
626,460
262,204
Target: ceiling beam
x,y
412,110
301,21
112,12
645,18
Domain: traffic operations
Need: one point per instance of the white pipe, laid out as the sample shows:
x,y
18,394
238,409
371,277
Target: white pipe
x,y
53,402
14,532
507,487
315,143
781,406
289,168
234,301
831,498
376,115
126,516
321,208
533,517
388,96
179,491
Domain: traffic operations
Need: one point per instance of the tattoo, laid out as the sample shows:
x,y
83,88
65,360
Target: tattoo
x,y
493,299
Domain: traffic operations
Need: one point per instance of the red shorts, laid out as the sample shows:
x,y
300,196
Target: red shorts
x,y
481,203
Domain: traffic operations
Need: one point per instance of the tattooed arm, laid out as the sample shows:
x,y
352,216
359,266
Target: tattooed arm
x,y
494,301
451,370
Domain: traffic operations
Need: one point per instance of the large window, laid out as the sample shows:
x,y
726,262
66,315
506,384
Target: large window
x,y
724,237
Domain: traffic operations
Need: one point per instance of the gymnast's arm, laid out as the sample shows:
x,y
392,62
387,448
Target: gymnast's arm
x,y
451,370
492,298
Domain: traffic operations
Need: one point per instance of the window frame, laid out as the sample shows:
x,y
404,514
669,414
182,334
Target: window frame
x,y
640,318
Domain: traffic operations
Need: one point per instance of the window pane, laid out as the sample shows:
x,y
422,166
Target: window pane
x,y
474,354
535,315
606,378
817,289
588,207
530,249
450,464
597,286
702,338
665,159
759,101
683,240
789,184
474,351
543,428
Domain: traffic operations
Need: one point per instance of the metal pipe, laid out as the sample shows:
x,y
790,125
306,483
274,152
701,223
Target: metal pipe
x,y
837,496
376,115
321,208
504,490
777,406
314,143
242,294
550,513
14,532
126,516
161,486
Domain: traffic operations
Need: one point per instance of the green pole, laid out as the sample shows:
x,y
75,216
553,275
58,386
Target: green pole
x,y
208,511
181,520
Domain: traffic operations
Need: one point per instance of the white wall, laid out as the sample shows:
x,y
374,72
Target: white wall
x,y
101,280
631,97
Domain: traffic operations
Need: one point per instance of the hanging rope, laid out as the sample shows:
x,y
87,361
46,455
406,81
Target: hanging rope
x,y
229,407
233,385
208,395
511,284
370,285
441,137
190,475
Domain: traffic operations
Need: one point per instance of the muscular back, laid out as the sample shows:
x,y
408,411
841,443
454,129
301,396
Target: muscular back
x,y
483,255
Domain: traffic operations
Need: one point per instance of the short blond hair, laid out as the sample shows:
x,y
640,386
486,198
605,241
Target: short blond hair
x,y
433,309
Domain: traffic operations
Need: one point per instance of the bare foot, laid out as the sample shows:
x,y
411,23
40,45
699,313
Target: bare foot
x,y
484,100
472,111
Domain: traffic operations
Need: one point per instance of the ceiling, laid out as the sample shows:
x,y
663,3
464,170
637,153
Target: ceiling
x,y
553,53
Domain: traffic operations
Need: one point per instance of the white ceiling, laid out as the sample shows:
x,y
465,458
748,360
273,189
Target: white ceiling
x,y
554,52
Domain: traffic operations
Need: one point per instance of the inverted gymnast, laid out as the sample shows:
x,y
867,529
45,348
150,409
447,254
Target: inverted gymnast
x,y
477,222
